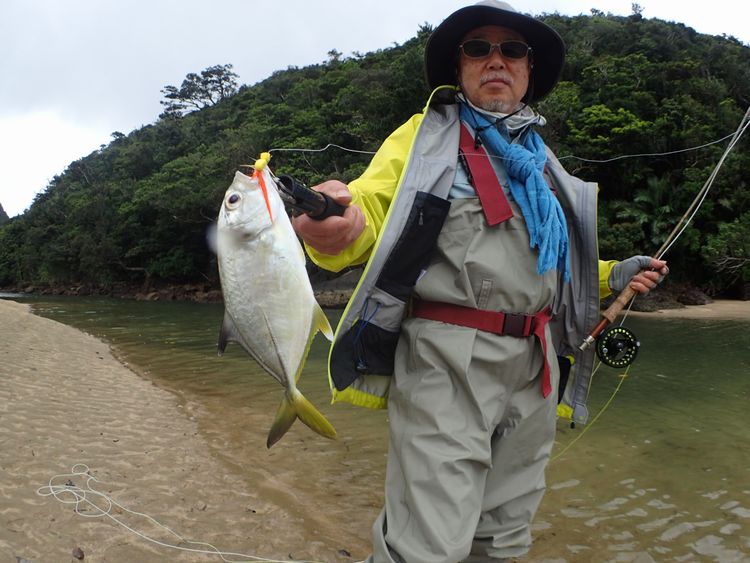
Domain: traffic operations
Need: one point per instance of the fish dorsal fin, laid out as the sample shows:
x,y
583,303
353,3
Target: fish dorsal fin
x,y
227,333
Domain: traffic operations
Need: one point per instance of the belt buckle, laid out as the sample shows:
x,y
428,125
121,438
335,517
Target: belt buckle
x,y
515,325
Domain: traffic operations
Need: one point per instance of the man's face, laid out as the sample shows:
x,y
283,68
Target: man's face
x,y
495,82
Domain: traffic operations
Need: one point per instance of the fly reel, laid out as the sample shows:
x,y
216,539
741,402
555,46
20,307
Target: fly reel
x,y
617,346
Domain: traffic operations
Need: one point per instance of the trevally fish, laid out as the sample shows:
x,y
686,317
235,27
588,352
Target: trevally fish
x,y
270,309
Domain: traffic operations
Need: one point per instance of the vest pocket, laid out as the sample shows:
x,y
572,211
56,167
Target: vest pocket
x,y
413,249
369,346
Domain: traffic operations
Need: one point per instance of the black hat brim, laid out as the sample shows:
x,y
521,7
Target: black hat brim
x,y
547,45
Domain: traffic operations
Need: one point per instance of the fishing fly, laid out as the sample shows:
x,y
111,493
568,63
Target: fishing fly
x,y
296,196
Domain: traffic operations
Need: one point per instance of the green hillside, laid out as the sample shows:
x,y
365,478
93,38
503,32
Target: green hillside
x,y
136,212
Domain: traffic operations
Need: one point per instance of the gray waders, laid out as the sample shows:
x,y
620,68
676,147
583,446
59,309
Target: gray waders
x,y
470,431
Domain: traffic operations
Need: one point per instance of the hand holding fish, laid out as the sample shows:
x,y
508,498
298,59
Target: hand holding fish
x,y
333,234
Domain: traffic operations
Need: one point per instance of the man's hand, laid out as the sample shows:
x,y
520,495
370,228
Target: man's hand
x,y
641,273
333,234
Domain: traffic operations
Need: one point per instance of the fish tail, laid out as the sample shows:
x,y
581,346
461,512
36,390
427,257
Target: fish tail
x,y
297,406
285,416
312,417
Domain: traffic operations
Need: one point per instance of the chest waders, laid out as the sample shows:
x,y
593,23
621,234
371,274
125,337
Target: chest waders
x,y
496,209
471,431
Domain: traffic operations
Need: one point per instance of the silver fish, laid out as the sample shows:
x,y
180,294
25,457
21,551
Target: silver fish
x,y
270,309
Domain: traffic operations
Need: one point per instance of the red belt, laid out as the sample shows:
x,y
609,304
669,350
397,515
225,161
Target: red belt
x,y
496,322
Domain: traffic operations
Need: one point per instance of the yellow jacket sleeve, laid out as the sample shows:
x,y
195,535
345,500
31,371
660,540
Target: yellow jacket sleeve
x,y
373,192
605,267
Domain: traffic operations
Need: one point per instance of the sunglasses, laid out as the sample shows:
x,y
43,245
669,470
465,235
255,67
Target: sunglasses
x,y
479,48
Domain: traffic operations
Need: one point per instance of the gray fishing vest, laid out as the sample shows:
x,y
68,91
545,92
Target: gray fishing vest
x,y
363,350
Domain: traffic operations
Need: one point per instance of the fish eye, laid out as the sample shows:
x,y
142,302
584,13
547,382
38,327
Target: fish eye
x,y
233,200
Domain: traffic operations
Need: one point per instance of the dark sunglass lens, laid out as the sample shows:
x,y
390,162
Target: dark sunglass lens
x,y
514,49
476,48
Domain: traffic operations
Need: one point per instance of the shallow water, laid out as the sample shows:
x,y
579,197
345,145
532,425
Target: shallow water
x,y
664,471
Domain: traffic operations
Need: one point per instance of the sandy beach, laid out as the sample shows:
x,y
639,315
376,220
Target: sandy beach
x,y
718,309
66,400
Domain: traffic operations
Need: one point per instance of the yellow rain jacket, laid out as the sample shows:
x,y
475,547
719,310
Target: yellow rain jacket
x,y
419,159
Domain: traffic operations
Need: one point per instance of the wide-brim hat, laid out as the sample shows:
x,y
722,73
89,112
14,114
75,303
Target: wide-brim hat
x,y
442,47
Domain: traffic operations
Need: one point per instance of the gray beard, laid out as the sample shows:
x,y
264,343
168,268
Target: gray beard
x,y
498,106
514,123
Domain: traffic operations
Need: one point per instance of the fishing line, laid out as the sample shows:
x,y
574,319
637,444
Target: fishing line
x,y
697,202
566,157
700,198
668,153
84,498
599,414
668,243
325,148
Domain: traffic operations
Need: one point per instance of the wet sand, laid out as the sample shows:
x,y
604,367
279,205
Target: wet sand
x,y
66,400
719,309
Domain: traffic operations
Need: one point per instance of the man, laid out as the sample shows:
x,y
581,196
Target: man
x,y
469,254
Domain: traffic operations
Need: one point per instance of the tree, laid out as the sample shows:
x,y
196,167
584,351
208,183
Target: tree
x,y
637,14
728,251
334,56
651,209
199,91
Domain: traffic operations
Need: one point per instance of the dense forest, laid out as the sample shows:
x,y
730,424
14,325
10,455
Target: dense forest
x,y
136,212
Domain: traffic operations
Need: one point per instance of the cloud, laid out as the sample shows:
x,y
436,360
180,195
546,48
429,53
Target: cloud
x,y
97,66
42,144
91,67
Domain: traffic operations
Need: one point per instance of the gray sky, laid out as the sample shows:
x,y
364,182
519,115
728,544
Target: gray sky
x,y
74,71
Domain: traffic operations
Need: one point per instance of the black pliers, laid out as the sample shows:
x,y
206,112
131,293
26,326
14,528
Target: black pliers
x,y
300,199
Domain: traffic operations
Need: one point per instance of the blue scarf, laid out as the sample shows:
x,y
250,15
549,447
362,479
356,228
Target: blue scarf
x,y
524,164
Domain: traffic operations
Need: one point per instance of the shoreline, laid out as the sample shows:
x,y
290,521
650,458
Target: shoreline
x,y
335,294
719,309
334,298
337,298
65,399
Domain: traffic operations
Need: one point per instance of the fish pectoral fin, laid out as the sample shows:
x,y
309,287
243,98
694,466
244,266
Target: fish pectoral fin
x,y
297,406
320,322
227,333
212,238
